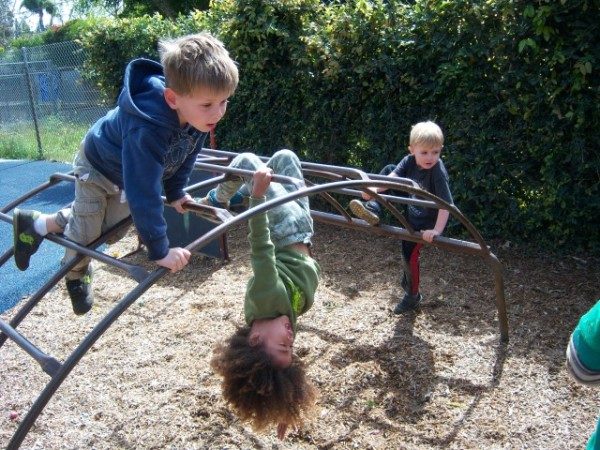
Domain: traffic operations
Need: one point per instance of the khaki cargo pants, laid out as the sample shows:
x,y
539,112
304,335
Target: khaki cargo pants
x,y
99,204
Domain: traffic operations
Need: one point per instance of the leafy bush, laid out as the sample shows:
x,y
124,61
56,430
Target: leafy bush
x,y
70,31
510,83
113,43
268,40
171,8
28,40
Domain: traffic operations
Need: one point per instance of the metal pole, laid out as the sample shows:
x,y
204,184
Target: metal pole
x,y
32,103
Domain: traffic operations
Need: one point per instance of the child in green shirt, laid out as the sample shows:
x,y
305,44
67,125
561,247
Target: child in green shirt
x,y
263,380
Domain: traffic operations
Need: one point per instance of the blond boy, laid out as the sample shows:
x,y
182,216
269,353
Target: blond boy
x,y
424,166
147,143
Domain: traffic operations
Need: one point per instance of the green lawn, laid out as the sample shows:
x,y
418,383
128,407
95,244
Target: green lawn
x,y
59,140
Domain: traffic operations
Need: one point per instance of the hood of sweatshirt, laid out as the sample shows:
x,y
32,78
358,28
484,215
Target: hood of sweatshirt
x,y
143,94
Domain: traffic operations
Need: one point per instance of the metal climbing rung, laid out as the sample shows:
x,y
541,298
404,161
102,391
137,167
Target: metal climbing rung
x,y
137,273
210,213
49,364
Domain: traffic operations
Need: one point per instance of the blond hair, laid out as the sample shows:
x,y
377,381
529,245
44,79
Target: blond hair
x,y
197,61
427,133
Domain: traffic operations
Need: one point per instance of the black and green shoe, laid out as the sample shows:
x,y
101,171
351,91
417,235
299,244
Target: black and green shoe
x,y
80,291
408,303
26,239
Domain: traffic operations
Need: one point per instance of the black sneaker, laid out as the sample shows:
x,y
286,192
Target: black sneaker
x,y
362,210
26,239
80,291
408,303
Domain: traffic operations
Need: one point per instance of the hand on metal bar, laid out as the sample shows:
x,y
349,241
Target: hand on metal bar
x,y
248,174
210,213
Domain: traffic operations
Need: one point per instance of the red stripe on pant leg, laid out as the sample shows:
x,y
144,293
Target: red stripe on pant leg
x,y
414,269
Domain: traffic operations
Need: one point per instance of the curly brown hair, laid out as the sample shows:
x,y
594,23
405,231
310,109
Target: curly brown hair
x,y
257,391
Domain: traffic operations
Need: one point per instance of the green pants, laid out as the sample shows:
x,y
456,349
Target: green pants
x,y
583,358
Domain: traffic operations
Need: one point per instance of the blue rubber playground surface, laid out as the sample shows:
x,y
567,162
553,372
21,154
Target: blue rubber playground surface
x,y
17,177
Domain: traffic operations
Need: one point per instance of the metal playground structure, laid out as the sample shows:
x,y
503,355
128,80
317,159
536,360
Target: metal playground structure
x,y
320,180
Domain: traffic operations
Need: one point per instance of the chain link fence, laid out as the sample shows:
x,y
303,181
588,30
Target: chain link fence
x,y
45,105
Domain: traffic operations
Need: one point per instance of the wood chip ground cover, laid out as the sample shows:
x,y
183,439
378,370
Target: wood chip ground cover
x,y
438,378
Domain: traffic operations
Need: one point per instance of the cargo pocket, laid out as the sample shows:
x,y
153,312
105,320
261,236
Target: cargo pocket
x,y
89,177
87,215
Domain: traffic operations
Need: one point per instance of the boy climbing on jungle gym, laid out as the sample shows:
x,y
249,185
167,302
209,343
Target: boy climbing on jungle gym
x,y
424,166
147,143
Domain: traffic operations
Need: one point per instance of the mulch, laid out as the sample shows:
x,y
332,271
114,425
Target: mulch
x,y
437,378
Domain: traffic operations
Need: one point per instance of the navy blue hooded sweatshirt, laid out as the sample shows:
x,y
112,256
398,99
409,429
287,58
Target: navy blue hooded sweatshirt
x,y
141,147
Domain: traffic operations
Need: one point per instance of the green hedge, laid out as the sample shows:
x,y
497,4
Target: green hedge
x,y
511,83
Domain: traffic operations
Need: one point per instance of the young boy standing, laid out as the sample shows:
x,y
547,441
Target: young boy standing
x,y
424,166
263,380
148,142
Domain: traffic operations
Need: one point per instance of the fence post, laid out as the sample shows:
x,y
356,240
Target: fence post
x,y
32,104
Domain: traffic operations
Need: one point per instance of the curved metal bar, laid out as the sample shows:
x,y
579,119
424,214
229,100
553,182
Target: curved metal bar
x,y
392,198
64,269
220,229
248,173
407,181
324,174
54,179
219,153
213,159
213,181
347,172
77,354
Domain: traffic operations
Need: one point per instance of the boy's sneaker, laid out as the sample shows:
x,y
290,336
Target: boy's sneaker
x,y
408,303
211,200
238,201
80,291
26,239
576,368
363,210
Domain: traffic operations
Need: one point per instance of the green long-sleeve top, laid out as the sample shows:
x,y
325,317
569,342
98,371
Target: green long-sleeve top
x,y
284,280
